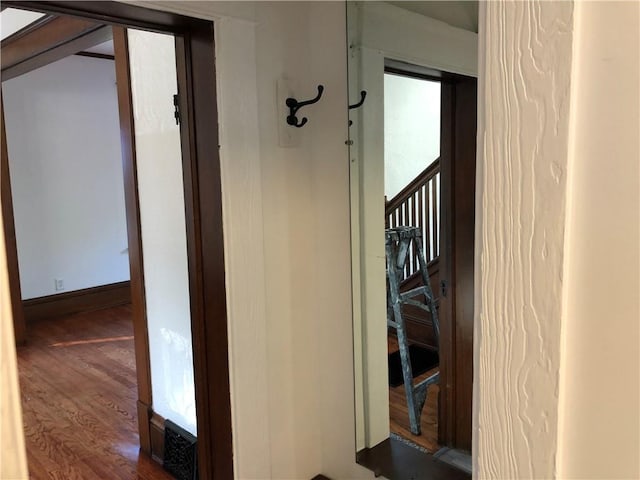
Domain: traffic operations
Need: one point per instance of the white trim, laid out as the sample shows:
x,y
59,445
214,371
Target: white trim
x,y
416,39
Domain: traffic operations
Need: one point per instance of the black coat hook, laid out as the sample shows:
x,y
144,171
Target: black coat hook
x,y
363,95
294,105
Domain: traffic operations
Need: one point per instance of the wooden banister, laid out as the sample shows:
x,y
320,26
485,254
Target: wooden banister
x,y
417,205
422,178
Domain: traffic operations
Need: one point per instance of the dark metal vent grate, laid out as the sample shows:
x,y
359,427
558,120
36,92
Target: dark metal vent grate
x,y
179,452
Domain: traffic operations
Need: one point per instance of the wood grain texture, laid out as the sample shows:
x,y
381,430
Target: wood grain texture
x,y
79,397
526,50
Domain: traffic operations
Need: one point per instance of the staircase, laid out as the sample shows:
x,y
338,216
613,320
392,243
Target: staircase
x,y
418,205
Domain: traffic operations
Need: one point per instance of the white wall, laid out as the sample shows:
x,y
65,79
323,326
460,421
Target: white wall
x,y
63,137
163,228
287,254
600,380
411,129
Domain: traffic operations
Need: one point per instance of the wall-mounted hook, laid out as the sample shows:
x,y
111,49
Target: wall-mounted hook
x,y
294,105
363,95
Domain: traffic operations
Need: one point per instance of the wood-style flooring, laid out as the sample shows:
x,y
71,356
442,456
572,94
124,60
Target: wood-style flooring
x,y
78,388
399,416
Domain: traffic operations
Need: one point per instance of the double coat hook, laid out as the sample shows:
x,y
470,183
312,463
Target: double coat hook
x,y
294,105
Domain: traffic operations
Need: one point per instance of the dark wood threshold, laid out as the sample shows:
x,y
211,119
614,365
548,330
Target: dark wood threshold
x,y
394,460
78,301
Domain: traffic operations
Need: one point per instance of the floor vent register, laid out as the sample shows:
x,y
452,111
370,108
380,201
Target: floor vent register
x,y
180,449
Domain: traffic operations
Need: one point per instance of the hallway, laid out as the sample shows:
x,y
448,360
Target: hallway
x,y
78,390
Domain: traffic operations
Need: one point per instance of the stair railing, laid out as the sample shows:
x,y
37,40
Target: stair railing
x,y
418,205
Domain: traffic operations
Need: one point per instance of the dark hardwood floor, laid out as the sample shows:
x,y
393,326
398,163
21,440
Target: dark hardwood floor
x,y
399,416
78,388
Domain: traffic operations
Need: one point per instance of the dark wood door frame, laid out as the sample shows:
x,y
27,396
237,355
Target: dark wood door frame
x,y
48,40
203,208
457,180
134,236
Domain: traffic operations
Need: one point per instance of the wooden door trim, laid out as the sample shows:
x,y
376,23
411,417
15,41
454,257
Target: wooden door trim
x,y
203,204
8,225
464,181
134,234
26,30
47,41
446,412
203,199
457,180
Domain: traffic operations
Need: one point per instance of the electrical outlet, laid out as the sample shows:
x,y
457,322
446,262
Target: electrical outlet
x,y
59,284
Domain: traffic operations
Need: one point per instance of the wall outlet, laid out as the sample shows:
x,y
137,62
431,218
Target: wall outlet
x,y
59,282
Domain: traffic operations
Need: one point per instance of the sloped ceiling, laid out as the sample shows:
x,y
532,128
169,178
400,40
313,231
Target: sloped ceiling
x,y
461,14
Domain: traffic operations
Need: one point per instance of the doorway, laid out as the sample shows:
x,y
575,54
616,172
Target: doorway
x,y
434,204
440,201
412,132
206,304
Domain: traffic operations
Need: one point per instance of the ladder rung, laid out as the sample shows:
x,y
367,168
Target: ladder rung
x,y
414,292
428,381
419,305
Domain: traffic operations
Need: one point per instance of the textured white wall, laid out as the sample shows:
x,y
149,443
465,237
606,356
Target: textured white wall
x,y
411,129
600,388
523,133
63,137
162,220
